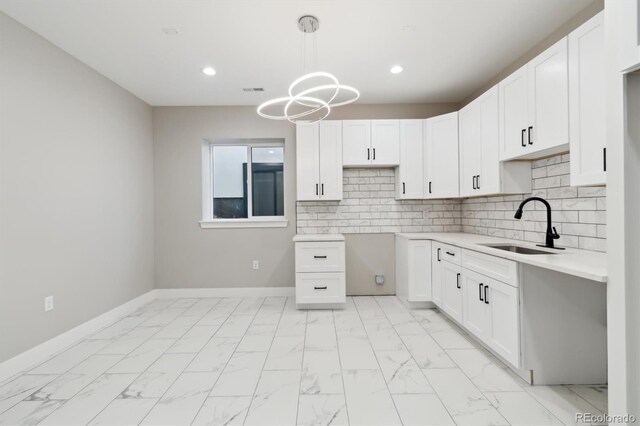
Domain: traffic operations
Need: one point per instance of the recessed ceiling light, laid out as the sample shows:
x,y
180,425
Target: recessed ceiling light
x,y
171,31
396,69
208,71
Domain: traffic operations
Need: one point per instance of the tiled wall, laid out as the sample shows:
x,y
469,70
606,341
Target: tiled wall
x,y
369,206
578,213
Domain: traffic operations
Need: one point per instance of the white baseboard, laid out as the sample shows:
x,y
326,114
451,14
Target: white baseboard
x,y
43,351
46,350
179,293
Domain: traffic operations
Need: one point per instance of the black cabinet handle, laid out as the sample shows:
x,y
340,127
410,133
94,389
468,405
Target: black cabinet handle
x,y
403,188
529,136
458,280
322,186
319,257
478,182
480,292
316,189
604,159
473,180
320,288
438,254
429,187
486,299
368,153
522,142
450,254
374,153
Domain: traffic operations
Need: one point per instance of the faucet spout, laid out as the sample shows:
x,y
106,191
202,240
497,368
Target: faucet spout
x,y
551,234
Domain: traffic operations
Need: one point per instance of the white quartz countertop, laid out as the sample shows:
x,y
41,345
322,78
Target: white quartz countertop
x,y
581,263
317,237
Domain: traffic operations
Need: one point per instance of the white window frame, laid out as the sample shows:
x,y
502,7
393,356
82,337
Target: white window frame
x,y
208,221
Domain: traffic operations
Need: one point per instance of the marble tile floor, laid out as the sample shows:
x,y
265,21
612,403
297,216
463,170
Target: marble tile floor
x,y
259,361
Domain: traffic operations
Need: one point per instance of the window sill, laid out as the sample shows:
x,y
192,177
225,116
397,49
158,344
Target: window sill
x,y
243,223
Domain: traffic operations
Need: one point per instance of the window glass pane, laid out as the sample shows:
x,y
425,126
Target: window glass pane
x,y
229,181
267,181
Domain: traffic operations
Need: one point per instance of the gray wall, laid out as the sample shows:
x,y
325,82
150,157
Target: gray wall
x,y
76,188
188,256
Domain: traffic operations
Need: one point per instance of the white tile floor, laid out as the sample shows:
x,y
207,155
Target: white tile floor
x,y
259,361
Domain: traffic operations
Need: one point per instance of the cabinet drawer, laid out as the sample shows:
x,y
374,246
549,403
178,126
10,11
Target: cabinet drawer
x,y
325,256
320,287
494,267
449,253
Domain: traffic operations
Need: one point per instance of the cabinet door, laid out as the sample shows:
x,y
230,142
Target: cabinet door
x,y
549,99
331,160
419,271
409,175
503,332
441,156
452,290
436,274
356,143
307,161
470,149
514,114
586,103
475,314
385,142
488,180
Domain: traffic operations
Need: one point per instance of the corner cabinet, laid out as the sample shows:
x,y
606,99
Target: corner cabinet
x,y
409,175
481,171
587,103
319,161
534,107
440,150
371,143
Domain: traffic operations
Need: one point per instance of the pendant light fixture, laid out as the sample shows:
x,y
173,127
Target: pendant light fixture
x,y
311,96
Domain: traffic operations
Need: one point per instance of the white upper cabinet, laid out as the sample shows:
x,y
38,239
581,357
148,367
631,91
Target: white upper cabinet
x,y
440,150
356,143
623,18
587,103
307,161
534,107
319,161
409,175
371,143
385,142
331,160
481,171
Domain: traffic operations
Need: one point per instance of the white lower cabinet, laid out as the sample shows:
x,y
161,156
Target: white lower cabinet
x,y
475,313
413,270
436,273
452,290
320,270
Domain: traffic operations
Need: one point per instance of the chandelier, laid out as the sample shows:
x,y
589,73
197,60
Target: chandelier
x,y
311,96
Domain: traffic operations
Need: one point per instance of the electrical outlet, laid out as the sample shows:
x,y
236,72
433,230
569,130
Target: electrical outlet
x,y
256,264
48,303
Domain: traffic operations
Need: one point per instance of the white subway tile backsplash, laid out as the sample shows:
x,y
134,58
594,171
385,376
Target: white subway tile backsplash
x,y
369,206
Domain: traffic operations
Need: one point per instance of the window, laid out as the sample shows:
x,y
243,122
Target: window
x,y
243,183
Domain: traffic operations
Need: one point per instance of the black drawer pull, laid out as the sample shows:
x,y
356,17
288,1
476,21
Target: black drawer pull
x,y
486,299
438,254
478,182
529,136
320,288
604,159
522,142
368,153
450,254
319,257
480,292
374,153
458,280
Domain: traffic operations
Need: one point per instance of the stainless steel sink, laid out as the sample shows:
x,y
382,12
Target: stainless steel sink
x,y
517,249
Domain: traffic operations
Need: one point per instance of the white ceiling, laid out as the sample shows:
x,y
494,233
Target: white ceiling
x,y
449,48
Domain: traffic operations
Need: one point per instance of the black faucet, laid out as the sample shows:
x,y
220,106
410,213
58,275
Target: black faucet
x,y
552,234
